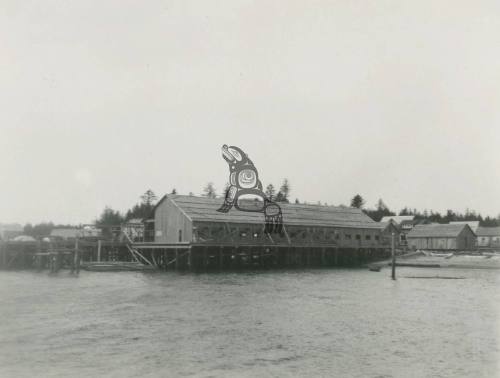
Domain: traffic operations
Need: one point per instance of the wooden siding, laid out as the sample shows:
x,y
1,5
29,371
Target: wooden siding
x,y
465,240
207,232
169,220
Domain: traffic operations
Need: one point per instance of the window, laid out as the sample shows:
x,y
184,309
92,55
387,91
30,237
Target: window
x,y
358,237
337,236
377,237
180,235
255,234
347,236
243,234
368,237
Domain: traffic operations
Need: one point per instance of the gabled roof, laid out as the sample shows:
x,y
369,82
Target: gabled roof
x,y
472,224
398,218
205,209
385,225
488,231
437,230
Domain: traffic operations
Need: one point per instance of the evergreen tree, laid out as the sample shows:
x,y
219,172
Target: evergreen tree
x,y
357,201
109,217
149,197
209,190
270,191
174,191
285,191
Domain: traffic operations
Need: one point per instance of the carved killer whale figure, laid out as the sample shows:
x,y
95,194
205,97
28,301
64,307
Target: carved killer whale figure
x,y
244,181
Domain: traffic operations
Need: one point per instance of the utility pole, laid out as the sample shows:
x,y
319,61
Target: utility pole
x,y
393,258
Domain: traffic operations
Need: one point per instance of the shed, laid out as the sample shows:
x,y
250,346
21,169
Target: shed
x,y
441,236
488,237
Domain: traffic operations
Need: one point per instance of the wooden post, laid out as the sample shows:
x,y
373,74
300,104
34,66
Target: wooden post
x,y
99,250
221,257
75,257
323,259
393,258
2,253
176,259
205,258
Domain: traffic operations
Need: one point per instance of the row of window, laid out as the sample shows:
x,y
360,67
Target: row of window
x,y
337,236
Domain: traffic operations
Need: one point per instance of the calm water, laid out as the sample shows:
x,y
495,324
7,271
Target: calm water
x,y
330,323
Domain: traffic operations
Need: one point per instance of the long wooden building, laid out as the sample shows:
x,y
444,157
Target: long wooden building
x,y
442,237
312,235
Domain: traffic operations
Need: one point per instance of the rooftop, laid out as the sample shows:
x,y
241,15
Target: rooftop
x,y
436,230
397,218
488,231
205,209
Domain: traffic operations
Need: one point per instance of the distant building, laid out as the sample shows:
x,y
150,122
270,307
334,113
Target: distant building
x,y
404,224
387,229
442,236
134,229
90,231
472,224
9,231
488,236
24,238
66,233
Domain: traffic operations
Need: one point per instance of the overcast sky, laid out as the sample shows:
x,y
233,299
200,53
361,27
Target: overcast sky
x,y
101,100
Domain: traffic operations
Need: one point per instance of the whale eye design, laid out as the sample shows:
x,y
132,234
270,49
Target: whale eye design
x,y
235,153
247,178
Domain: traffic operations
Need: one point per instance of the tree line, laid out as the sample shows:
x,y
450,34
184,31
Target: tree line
x,y
144,209
381,210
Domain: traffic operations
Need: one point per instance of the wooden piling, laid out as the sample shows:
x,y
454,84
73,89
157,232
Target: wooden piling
x,y
393,254
99,246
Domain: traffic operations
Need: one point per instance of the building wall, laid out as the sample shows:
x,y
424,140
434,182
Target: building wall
x,y
171,224
488,241
432,243
240,233
465,241
483,241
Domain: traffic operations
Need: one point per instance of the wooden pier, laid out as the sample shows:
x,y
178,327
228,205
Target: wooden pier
x,y
182,256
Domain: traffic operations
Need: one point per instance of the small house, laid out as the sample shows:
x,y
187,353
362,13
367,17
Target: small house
x,y
442,236
388,229
488,237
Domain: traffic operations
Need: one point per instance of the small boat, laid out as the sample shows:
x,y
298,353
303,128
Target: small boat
x,y
374,268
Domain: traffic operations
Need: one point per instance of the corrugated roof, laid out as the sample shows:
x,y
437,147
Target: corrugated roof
x,y
488,231
436,230
205,209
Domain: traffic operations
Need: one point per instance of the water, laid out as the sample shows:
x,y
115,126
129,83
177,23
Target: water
x,y
316,323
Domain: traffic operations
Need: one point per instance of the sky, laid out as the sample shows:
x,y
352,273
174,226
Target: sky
x,y
102,100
